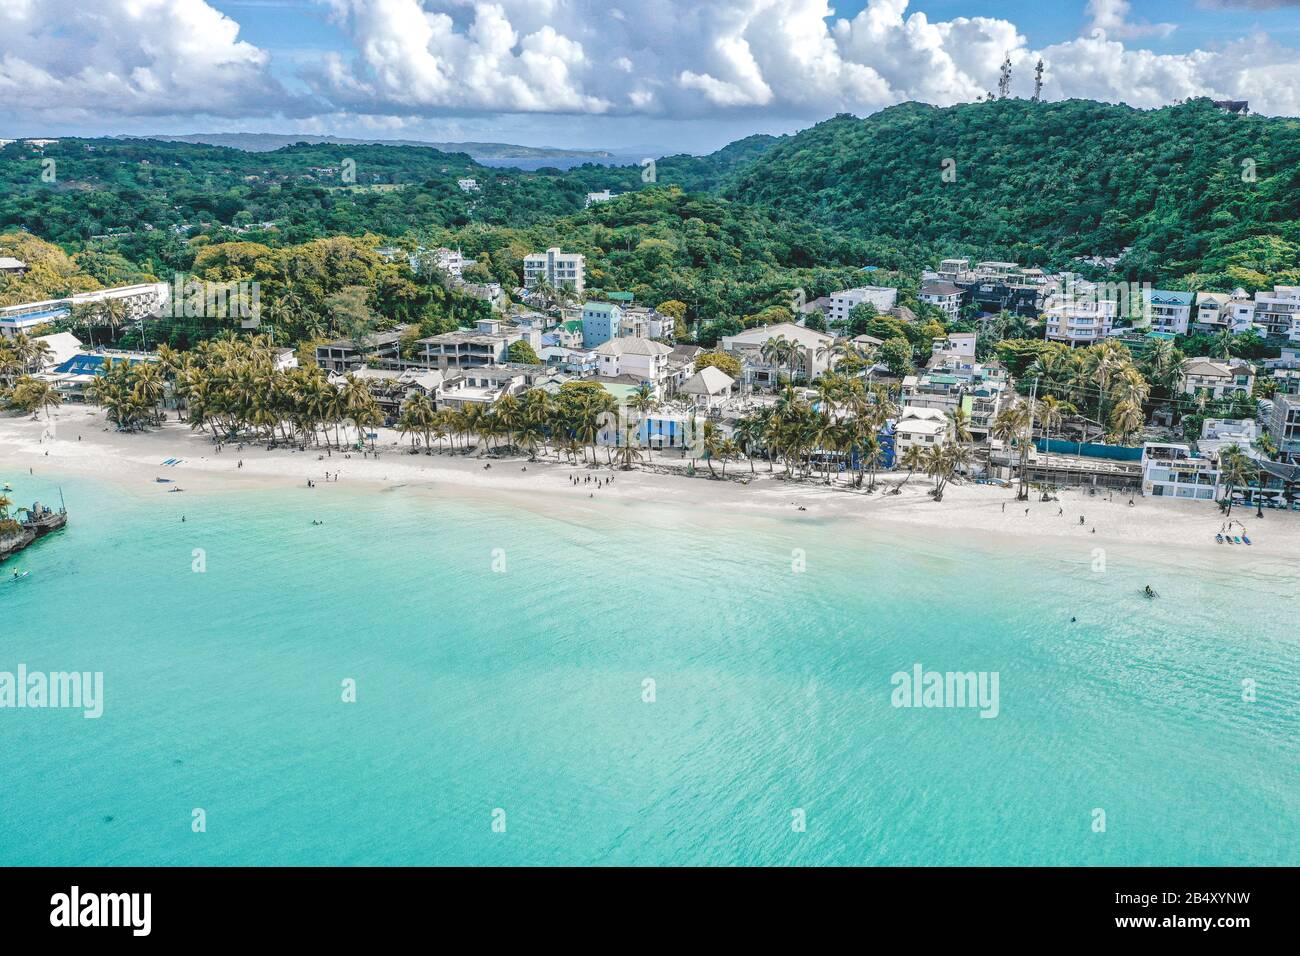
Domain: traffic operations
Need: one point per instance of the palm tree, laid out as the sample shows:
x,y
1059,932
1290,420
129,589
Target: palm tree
x,y
779,351
1053,412
1236,470
628,453
34,395
913,457
1222,344
1126,422
712,444
642,402
1013,426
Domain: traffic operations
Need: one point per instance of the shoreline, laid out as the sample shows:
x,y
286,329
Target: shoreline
x,y
77,440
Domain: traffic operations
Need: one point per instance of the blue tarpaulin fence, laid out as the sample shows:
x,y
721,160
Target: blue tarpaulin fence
x,y
1089,450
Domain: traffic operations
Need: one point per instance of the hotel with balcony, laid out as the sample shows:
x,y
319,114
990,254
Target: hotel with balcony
x,y
560,269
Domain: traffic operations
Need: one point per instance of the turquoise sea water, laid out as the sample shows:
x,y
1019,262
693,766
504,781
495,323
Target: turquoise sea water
x,y
522,689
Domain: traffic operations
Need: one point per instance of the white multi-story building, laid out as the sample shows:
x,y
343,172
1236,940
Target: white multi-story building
x,y
636,360
138,301
468,185
956,343
921,427
1079,320
842,303
1277,313
943,296
812,358
1284,425
451,261
603,196
1175,471
1169,311
1217,379
560,269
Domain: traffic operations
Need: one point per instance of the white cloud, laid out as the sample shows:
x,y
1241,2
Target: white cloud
x,y
758,61
1111,18
72,58
686,58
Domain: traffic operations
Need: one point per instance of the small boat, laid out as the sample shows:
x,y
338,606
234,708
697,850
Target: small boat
x,y
1228,539
8,487
1236,541
1219,538
1245,539
164,481
171,490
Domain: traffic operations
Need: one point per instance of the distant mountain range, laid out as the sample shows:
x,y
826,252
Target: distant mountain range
x,y
265,142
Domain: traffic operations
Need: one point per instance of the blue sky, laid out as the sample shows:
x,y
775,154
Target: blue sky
x,y
659,75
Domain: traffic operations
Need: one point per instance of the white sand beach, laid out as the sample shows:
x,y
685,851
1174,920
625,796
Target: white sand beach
x,y
77,440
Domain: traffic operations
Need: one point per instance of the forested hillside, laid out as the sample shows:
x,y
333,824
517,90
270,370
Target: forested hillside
x,y
1200,195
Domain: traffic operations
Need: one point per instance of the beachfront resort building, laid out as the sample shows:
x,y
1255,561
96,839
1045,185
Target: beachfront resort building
x,y
488,343
840,304
1173,470
134,302
921,427
635,361
812,356
1284,426
1215,378
954,380
481,385
559,269
344,355
391,388
73,377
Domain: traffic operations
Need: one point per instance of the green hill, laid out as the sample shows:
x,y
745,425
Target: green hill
x,y
1044,182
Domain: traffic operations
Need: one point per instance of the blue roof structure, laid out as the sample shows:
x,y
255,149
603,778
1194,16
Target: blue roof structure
x,y
89,364
1163,297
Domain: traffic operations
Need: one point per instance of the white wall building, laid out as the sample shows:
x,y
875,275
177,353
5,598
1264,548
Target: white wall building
x,y
922,427
1079,321
641,359
1172,470
956,343
842,303
556,267
1277,313
1217,379
138,302
812,359
943,296
1169,311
